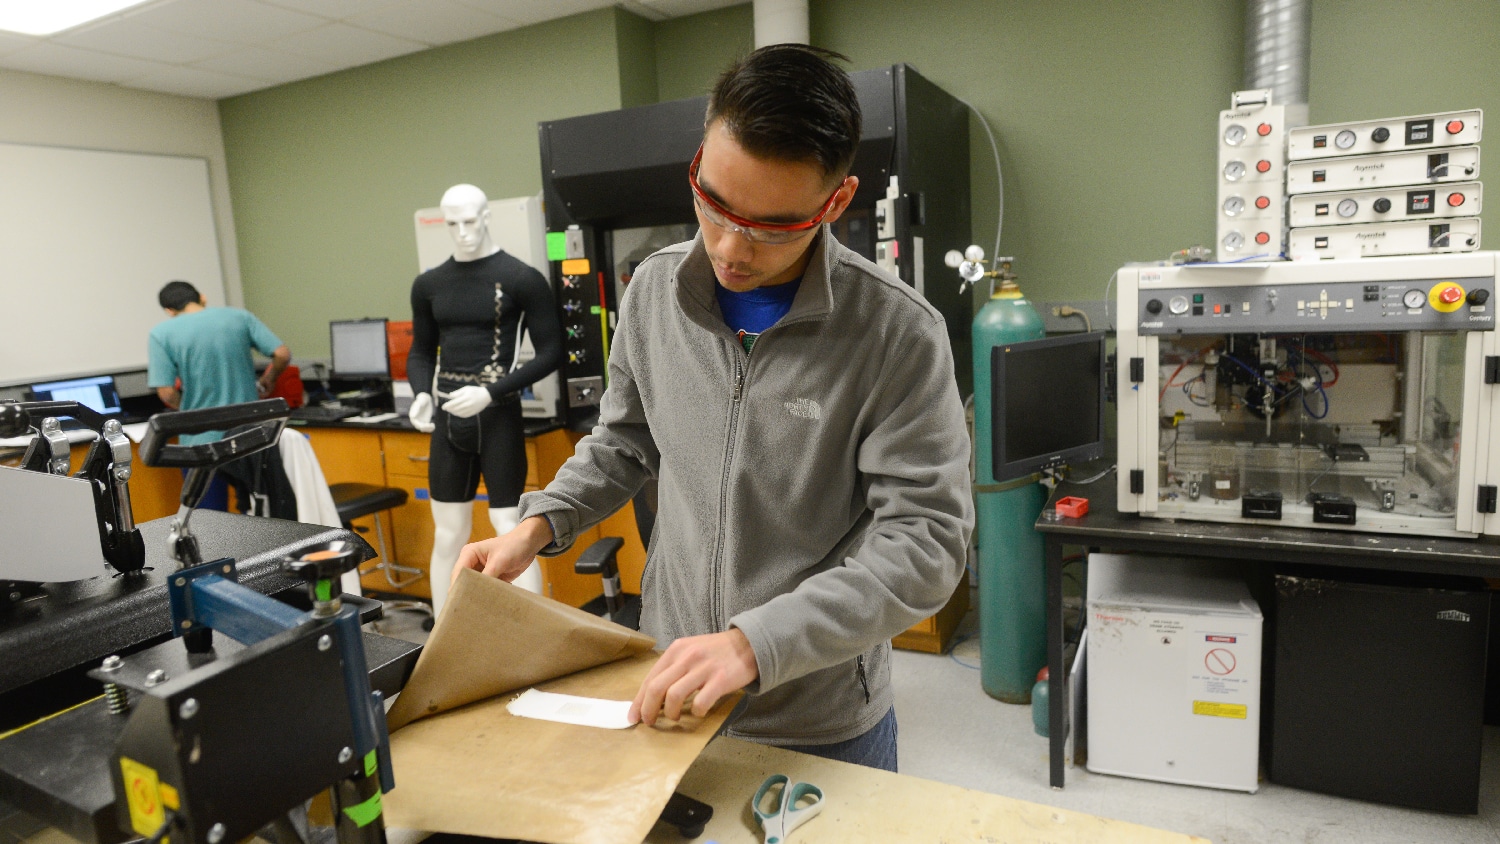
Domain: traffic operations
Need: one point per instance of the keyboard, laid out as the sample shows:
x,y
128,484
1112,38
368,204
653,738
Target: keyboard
x,y
315,413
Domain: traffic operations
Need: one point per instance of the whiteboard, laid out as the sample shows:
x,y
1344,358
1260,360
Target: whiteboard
x,y
87,239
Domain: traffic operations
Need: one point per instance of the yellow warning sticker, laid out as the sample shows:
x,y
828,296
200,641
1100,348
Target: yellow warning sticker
x,y
144,796
1220,710
575,266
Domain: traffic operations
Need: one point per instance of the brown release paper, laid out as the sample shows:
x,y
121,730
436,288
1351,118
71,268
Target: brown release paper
x,y
478,770
494,638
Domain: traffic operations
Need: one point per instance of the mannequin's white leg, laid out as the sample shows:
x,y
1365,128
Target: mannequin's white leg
x,y
451,523
505,520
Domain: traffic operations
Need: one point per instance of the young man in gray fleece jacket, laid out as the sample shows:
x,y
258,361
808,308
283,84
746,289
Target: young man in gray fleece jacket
x,y
798,408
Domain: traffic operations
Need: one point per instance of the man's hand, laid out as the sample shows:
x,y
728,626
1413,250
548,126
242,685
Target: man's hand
x,y
467,401
706,667
279,360
507,556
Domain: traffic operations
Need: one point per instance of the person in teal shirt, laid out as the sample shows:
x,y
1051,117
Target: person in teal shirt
x,y
210,351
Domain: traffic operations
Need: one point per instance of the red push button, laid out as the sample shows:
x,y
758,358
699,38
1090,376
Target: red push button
x,y
1262,202
1218,309
1454,127
1455,199
1264,129
1262,238
1263,166
1450,295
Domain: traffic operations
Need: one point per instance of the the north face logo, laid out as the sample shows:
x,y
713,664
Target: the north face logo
x,y
805,409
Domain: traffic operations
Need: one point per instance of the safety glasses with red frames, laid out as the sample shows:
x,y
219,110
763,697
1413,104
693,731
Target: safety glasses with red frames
x,y
752,230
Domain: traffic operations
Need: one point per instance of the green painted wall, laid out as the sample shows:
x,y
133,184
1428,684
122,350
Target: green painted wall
x,y
693,50
1390,58
326,173
635,49
1104,113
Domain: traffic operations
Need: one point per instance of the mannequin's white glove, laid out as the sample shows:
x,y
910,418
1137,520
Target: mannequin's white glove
x,y
467,401
420,413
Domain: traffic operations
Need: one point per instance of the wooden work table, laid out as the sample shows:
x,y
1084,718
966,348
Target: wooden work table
x,y
864,805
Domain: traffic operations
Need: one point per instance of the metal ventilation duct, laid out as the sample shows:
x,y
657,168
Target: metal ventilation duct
x,y
1277,50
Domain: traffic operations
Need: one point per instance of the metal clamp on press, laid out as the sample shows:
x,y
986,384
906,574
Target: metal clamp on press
x,y
182,766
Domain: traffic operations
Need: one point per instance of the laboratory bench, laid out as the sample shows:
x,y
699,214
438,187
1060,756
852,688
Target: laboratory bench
x,y
1104,527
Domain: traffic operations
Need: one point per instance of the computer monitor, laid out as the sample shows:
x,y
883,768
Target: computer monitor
x,y
359,348
97,393
1047,403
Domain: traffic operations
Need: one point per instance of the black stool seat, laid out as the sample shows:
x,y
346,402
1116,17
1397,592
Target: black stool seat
x,y
354,500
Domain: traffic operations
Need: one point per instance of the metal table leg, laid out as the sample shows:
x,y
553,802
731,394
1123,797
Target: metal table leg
x,y
1056,672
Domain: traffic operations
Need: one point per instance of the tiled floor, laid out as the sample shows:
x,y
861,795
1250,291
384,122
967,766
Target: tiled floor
x,y
951,731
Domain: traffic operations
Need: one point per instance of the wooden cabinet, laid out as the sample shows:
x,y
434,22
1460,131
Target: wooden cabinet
x,y
932,634
400,459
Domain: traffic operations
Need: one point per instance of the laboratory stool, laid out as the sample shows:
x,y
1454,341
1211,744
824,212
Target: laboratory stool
x,y
356,500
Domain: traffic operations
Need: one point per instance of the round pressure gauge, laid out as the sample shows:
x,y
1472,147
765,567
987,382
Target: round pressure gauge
x,y
1348,208
1178,305
1234,171
1234,205
1414,299
1233,241
1234,135
1344,139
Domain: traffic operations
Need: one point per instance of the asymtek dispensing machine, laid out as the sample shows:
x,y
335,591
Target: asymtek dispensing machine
x,y
1359,394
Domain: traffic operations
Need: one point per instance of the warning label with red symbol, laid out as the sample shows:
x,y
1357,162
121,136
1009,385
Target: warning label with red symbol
x,y
1220,661
1225,673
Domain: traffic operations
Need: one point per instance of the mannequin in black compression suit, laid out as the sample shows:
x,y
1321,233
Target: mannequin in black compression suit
x,y
468,314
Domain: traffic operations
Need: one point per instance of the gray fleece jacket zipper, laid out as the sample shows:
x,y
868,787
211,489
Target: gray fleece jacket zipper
x,y
813,494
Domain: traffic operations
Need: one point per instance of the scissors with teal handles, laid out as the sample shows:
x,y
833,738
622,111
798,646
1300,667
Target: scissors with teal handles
x,y
793,804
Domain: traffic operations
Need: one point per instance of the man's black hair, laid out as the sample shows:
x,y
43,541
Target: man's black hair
x,y
790,102
177,295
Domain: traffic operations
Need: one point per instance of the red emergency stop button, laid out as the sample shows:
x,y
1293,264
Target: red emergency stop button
x,y
1454,127
1455,199
1450,295
1262,166
1262,238
1264,129
1262,202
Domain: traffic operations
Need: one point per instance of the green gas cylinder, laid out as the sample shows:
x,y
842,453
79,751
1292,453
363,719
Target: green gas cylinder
x,y
1012,570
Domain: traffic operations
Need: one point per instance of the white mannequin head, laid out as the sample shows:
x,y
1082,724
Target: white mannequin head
x,y
467,212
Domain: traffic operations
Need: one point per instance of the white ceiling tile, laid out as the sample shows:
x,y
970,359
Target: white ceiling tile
x,y
126,37
683,8
536,11
240,21
433,21
191,82
270,65
334,9
57,60
11,42
346,45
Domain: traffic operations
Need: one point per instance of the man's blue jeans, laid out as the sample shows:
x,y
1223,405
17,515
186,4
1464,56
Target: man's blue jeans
x,y
876,748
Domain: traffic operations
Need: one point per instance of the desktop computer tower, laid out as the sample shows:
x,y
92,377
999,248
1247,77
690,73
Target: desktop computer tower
x,y
1378,687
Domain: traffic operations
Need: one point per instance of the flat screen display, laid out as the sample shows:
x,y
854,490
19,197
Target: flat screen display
x,y
1047,403
359,348
98,394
